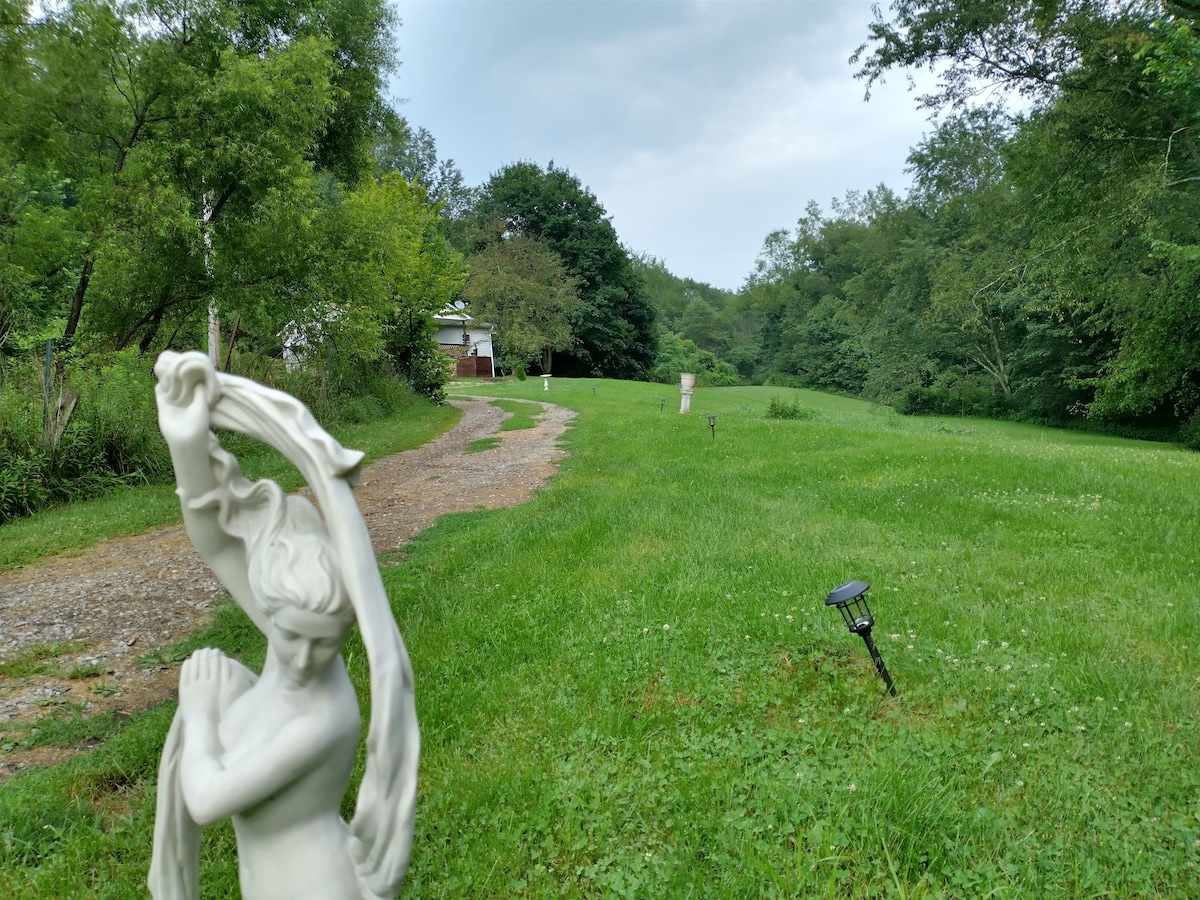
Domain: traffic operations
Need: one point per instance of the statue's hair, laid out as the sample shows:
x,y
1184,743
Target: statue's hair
x,y
294,565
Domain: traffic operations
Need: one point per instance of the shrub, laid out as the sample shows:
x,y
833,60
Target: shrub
x,y
778,408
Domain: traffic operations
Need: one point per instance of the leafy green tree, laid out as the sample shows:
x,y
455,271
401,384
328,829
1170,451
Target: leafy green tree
x,y
677,354
1078,270
414,156
518,285
188,139
614,322
719,321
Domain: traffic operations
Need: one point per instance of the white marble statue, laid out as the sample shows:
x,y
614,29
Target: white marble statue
x,y
274,751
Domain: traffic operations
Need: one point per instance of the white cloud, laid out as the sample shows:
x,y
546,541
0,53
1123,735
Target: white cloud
x,y
700,126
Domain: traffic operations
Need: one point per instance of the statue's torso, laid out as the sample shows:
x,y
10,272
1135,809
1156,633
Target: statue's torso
x,y
296,839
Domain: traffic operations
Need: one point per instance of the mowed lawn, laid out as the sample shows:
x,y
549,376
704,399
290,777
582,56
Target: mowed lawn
x,y
630,686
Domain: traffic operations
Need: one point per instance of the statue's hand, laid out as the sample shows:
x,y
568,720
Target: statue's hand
x,y
200,684
186,390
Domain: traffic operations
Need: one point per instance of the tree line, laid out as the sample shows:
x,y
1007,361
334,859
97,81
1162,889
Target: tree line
x,y
160,162
1045,264
230,175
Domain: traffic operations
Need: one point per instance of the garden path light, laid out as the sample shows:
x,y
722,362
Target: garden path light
x,y
851,600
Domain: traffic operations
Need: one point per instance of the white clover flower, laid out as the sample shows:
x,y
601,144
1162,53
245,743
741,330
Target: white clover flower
x,y
852,787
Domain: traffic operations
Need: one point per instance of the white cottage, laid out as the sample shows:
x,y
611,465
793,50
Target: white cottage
x,y
466,341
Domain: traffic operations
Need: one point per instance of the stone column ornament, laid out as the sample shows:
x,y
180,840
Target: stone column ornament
x,y
687,384
274,751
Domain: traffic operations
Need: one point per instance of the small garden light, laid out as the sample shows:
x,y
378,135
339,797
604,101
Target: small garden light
x,y
712,424
851,600
662,401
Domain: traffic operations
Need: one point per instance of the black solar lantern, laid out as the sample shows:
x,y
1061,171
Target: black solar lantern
x,y
851,600
712,424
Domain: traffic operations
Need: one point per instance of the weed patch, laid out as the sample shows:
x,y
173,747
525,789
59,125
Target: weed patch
x,y
522,414
482,445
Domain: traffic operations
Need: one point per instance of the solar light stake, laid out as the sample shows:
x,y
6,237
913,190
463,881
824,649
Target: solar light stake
x,y
662,401
712,424
851,601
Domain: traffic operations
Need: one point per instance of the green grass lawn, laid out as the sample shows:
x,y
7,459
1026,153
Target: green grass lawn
x,y
630,686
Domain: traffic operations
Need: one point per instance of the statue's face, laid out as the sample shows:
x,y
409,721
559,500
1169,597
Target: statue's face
x,y
306,642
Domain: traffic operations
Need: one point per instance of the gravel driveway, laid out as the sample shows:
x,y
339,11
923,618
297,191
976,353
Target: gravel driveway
x,y
115,606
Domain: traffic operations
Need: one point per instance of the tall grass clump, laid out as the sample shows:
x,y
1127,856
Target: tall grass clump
x,y
779,408
111,439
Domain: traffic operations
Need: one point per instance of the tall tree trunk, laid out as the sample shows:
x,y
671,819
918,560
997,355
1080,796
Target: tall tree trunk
x,y
81,287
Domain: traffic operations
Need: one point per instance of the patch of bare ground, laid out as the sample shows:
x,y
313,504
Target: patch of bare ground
x,y
99,623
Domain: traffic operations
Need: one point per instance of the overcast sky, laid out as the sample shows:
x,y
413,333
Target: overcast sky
x,y
701,125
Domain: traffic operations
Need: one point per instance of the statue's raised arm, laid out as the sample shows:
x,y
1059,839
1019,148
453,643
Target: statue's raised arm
x,y
275,751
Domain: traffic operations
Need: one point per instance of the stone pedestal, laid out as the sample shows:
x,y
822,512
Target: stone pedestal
x,y
687,384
